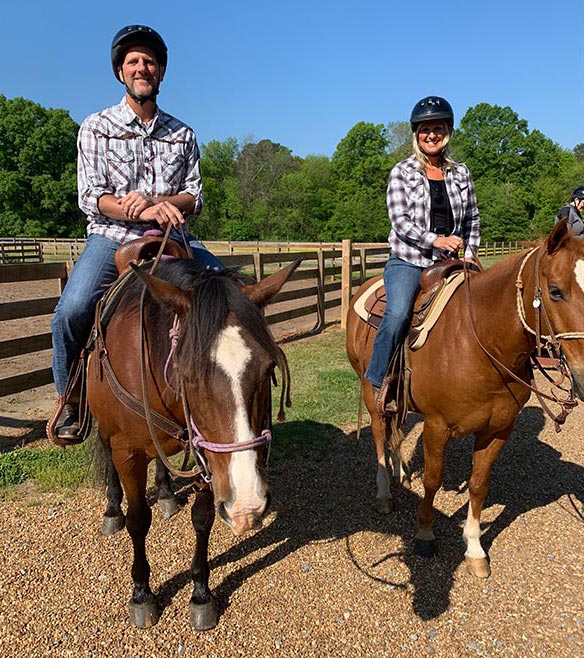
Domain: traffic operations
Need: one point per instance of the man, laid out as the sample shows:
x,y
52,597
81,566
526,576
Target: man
x,y
138,169
573,211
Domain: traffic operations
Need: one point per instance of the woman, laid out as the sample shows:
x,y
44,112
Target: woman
x,y
433,211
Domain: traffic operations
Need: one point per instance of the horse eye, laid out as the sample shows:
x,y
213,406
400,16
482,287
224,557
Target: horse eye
x,y
555,293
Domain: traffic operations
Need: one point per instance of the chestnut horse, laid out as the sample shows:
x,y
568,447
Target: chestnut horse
x,y
207,364
462,390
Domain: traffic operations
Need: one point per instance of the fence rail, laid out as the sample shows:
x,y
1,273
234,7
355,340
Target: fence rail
x,y
20,250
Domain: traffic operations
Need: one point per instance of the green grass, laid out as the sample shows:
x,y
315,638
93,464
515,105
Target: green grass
x,y
325,393
51,470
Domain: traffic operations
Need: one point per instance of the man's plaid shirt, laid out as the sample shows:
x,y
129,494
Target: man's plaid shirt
x,y
409,205
118,154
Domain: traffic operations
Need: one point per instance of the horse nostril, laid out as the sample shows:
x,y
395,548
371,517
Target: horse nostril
x,y
223,512
268,503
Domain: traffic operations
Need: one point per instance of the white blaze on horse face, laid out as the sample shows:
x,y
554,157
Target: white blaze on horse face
x,y
232,355
579,271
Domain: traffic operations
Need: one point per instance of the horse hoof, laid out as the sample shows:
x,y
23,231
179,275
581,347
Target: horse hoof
x,y
477,566
203,616
144,615
169,507
384,505
424,548
112,524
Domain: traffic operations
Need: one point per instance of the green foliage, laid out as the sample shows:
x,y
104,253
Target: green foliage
x,y
38,187
258,190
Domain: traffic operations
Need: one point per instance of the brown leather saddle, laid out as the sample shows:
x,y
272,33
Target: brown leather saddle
x,y
432,282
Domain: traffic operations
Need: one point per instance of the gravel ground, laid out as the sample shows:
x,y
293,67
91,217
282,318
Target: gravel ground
x,y
326,575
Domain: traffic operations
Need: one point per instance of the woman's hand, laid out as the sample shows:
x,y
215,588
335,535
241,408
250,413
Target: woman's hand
x,y
448,243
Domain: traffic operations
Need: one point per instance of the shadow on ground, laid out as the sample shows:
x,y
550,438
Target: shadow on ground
x,y
324,495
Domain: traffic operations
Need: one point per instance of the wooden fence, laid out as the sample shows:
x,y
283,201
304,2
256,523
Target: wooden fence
x,y
317,292
20,250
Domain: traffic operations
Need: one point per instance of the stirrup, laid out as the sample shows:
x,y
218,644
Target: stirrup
x,y
383,405
53,427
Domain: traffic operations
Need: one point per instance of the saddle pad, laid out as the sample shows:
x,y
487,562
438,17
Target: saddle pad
x,y
365,304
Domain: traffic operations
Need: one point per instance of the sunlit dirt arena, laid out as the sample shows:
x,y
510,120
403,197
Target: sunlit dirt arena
x,y
326,575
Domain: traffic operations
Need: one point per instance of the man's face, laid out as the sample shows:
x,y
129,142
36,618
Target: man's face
x,y
140,71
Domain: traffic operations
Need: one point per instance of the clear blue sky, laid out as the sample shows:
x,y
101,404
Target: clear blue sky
x,y
303,73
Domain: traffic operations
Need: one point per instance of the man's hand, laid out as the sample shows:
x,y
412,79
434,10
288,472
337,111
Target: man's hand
x,y
134,203
163,213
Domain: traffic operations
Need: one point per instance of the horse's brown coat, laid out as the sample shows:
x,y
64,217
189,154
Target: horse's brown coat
x,y
459,390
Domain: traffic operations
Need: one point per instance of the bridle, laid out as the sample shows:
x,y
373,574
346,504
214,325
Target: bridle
x,y
196,442
552,341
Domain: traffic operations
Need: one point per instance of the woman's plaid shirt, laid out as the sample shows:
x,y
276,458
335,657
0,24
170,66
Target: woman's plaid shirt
x,y
409,205
118,154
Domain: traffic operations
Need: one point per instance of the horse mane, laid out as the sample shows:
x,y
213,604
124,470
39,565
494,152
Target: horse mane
x,y
214,295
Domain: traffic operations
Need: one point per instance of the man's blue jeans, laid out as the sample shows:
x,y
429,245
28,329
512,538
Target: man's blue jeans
x,y
401,280
93,272
73,318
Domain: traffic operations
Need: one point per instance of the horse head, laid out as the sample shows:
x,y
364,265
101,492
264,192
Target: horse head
x,y
562,289
225,360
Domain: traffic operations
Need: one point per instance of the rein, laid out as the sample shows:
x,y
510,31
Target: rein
x,y
196,439
552,340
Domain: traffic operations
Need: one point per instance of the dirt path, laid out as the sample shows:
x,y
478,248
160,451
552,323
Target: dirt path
x,y
326,576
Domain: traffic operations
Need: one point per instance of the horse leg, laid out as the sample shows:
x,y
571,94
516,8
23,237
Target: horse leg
x,y
399,475
142,606
203,613
384,502
435,441
486,449
113,518
166,498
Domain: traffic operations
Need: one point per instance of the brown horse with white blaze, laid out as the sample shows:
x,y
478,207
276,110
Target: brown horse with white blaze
x,y
461,389
207,364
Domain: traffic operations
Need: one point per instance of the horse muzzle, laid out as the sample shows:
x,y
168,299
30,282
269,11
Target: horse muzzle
x,y
243,520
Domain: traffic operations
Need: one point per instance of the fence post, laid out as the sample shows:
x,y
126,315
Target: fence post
x,y
346,280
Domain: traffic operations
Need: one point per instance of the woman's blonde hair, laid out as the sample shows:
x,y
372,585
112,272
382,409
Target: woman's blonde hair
x,y
446,157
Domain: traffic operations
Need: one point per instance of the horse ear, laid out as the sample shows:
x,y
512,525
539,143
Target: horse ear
x,y
176,299
262,292
556,239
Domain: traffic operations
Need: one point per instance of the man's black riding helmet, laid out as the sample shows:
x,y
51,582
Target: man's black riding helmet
x,y
429,109
578,193
133,35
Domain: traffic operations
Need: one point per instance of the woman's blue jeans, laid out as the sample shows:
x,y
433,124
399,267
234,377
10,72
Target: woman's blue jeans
x,y
401,280
93,272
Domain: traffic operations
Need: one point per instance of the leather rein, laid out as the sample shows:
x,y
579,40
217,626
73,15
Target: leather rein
x,y
552,342
196,443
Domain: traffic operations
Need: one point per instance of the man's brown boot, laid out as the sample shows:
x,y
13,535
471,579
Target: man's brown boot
x,y
63,427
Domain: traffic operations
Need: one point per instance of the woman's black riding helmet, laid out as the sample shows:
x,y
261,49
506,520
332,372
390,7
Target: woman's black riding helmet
x,y
578,193
133,35
429,109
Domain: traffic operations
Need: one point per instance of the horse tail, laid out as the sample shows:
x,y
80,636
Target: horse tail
x,y
100,459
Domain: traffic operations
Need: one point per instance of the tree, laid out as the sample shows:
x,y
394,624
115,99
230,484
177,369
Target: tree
x,y
492,141
38,187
